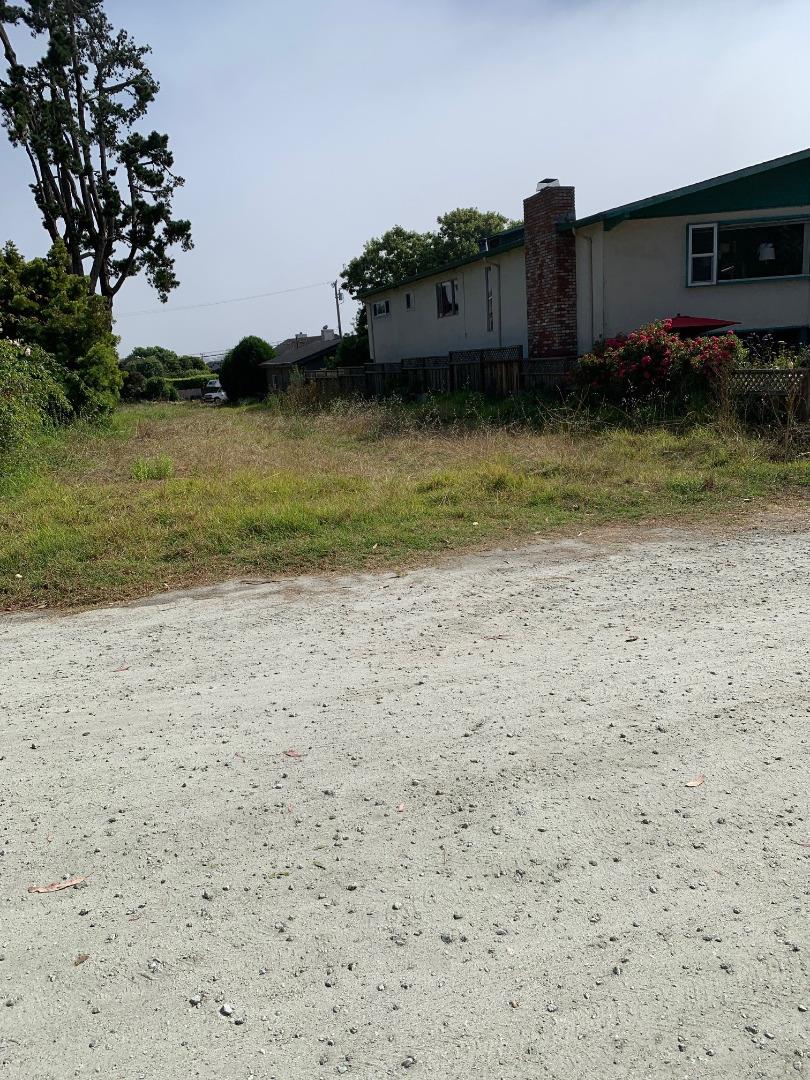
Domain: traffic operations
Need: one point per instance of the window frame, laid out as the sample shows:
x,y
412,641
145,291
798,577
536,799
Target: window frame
x,y
410,300
690,256
386,304
742,223
489,294
454,302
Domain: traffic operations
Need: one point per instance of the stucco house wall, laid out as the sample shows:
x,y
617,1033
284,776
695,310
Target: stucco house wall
x,y
637,272
420,332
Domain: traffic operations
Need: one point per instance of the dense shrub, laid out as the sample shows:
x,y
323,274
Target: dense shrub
x,y
191,382
352,351
42,303
655,361
134,386
159,389
240,375
155,360
32,395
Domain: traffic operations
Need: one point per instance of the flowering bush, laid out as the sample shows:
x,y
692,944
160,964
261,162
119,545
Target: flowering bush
x,y
655,360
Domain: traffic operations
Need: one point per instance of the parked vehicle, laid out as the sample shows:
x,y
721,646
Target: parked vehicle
x,y
213,394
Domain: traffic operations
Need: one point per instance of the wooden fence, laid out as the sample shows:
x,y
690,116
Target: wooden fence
x,y
504,372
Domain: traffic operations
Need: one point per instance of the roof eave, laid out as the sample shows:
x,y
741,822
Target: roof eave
x,y
621,213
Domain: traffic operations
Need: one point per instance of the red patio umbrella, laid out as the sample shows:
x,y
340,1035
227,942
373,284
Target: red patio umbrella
x,y
698,324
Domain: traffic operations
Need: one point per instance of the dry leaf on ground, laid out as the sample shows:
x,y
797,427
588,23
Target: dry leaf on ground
x,y
58,886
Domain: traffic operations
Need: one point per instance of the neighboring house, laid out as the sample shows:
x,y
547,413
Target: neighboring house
x,y
731,250
478,303
302,352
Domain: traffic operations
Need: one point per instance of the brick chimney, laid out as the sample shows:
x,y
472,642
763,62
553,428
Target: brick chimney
x,y
551,272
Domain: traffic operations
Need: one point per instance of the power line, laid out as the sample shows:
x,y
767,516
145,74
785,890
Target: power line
x,y
219,303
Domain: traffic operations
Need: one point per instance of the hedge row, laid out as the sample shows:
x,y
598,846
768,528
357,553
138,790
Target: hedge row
x,y
191,382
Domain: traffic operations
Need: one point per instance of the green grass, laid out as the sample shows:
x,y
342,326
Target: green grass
x,y
158,468
169,496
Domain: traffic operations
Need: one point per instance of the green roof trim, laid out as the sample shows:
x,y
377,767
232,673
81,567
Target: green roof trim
x,y
784,181
516,241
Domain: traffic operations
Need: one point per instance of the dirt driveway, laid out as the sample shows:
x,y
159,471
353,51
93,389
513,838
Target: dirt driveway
x,y
437,824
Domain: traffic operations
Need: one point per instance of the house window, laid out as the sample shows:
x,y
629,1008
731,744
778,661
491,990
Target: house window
x,y
742,252
410,301
760,251
702,254
381,307
447,298
490,290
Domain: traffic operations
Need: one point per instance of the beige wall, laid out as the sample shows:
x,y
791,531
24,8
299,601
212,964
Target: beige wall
x,y
420,332
636,272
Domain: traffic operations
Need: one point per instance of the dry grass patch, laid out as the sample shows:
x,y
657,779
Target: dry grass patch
x,y
181,495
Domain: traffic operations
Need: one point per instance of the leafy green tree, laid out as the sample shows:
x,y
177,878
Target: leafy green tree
x,y
461,231
150,360
189,363
102,185
156,360
401,253
240,374
149,367
42,303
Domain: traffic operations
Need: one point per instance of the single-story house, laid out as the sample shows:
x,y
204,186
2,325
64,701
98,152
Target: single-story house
x,y
733,250
302,352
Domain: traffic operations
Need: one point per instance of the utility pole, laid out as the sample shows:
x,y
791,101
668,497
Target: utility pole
x,y
337,306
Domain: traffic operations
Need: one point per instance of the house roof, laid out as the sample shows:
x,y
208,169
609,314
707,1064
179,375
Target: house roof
x,y
296,350
784,181
498,242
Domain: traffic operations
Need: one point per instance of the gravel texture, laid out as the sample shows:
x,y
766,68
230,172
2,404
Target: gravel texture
x,y
434,824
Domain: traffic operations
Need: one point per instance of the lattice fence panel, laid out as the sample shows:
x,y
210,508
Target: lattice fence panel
x,y
768,382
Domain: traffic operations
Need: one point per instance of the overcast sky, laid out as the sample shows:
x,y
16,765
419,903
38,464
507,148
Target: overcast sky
x,y
304,129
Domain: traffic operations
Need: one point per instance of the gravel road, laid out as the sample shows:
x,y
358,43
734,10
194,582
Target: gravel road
x,y
432,824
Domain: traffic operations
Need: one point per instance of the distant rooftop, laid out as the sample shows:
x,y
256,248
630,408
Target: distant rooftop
x,y
305,347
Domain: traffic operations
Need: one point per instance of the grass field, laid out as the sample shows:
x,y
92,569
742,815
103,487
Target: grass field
x,y
180,495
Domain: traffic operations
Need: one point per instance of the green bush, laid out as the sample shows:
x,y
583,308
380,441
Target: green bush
x,y
42,303
352,351
32,395
191,382
94,388
159,389
134,386
240,375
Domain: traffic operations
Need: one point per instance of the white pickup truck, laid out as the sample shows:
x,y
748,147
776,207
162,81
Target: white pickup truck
x,y
213,394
